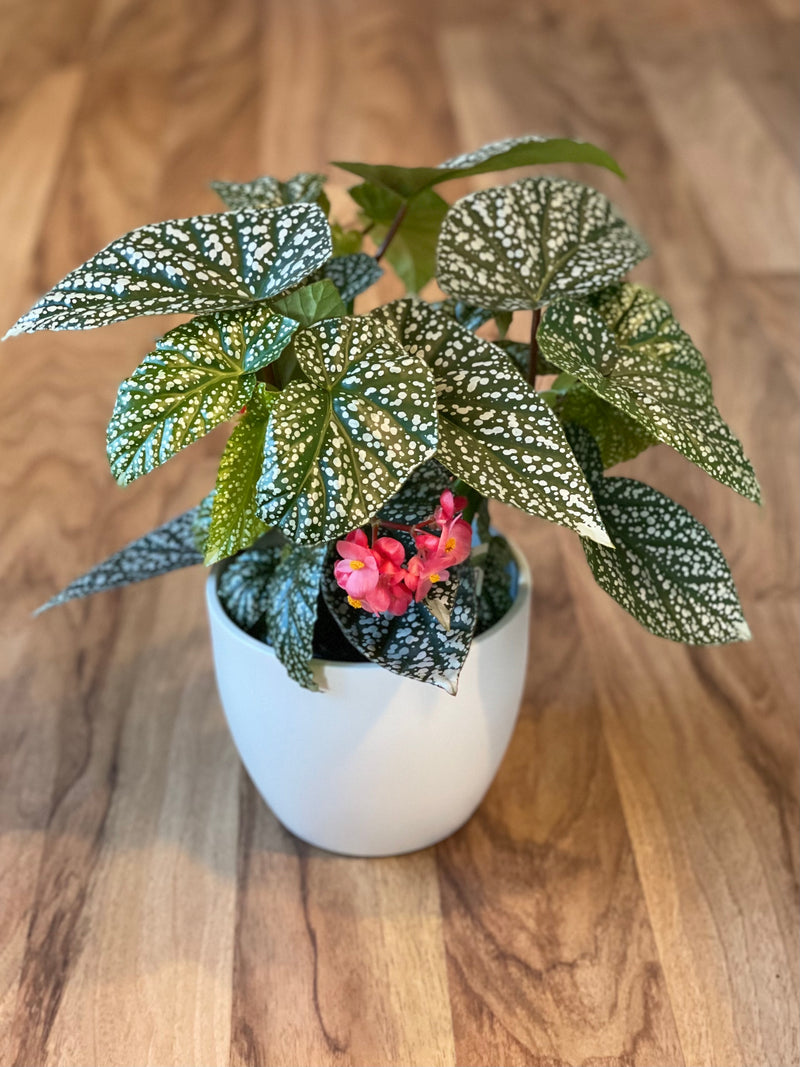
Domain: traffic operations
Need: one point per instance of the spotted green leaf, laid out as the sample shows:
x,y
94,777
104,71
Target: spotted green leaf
x,y
202,264
495,432
419,496
234,522
343,441
520,352
311,303
618,436
244,584
525,244
495,562
202,521
526,151
665,568
471,318
267,192
292,610
625,345
200,374
167,548
441,600
414,644
352,274
412,251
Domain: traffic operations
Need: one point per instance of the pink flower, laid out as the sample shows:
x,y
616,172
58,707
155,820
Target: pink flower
x,y
423,572
357,571
372,577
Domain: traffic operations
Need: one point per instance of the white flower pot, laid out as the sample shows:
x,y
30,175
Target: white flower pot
x,y
376,764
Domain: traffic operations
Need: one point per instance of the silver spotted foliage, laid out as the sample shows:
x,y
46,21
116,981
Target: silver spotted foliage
x,y
292,610
414,644
525,244
495,432
234,520
665,568
200,374
625,345
618,436
352,274
201,264
167,548
243,586
267,192
340,443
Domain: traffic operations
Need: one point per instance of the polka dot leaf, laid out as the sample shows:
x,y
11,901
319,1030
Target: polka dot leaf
x,y
200,374
495,432
235,524
199,265
243,585
352,274
343,441
419,495
665,568
167,548
522,245
528,150
618,436
292,609
267,192
415,644
625,345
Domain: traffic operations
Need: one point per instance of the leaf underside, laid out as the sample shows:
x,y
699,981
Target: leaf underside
x,y
243,585
626,346
169,547
352,274
522,245
343,441
414,645
494,430
200,374
202,264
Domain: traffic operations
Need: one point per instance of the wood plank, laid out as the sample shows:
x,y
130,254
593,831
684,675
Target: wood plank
x,y
337,960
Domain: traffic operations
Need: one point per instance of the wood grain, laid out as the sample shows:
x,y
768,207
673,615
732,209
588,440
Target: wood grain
x,y
627,892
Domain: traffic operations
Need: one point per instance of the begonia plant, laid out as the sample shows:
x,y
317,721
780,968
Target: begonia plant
x,y
350,513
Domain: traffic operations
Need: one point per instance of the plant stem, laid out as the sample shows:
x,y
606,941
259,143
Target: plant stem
x,y
533,360
395,226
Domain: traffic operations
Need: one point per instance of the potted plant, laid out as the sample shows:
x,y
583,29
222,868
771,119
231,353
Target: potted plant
x,y
349,524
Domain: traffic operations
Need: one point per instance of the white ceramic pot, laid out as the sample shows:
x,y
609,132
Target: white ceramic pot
x,y
376,764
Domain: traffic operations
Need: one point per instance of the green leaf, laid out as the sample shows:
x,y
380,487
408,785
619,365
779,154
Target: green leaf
x,y
234,521
525,244
665,568
419,496
269,192
441,600
414,645
618,436
412,251
471,318
244,584
167,548
526,151
200,374
342,442
625,345
495,432
352,274
202,521
496,564
202,264
292,610
520,353
311,303
345,242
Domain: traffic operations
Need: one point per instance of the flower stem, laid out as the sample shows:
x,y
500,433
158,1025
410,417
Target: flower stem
x,y
533,360
395,226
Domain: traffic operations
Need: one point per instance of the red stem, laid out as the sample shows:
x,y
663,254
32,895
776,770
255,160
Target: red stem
x,y
395,226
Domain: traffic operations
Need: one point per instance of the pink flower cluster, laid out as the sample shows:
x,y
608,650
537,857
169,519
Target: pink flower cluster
x,y
376,577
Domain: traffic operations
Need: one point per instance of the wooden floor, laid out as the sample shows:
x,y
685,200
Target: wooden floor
x,y
627,893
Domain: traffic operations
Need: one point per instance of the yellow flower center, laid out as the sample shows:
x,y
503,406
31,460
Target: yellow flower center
x,y
450,544
435,578
351,600
356,564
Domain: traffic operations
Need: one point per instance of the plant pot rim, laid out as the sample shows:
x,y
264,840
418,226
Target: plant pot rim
x,y
215,608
